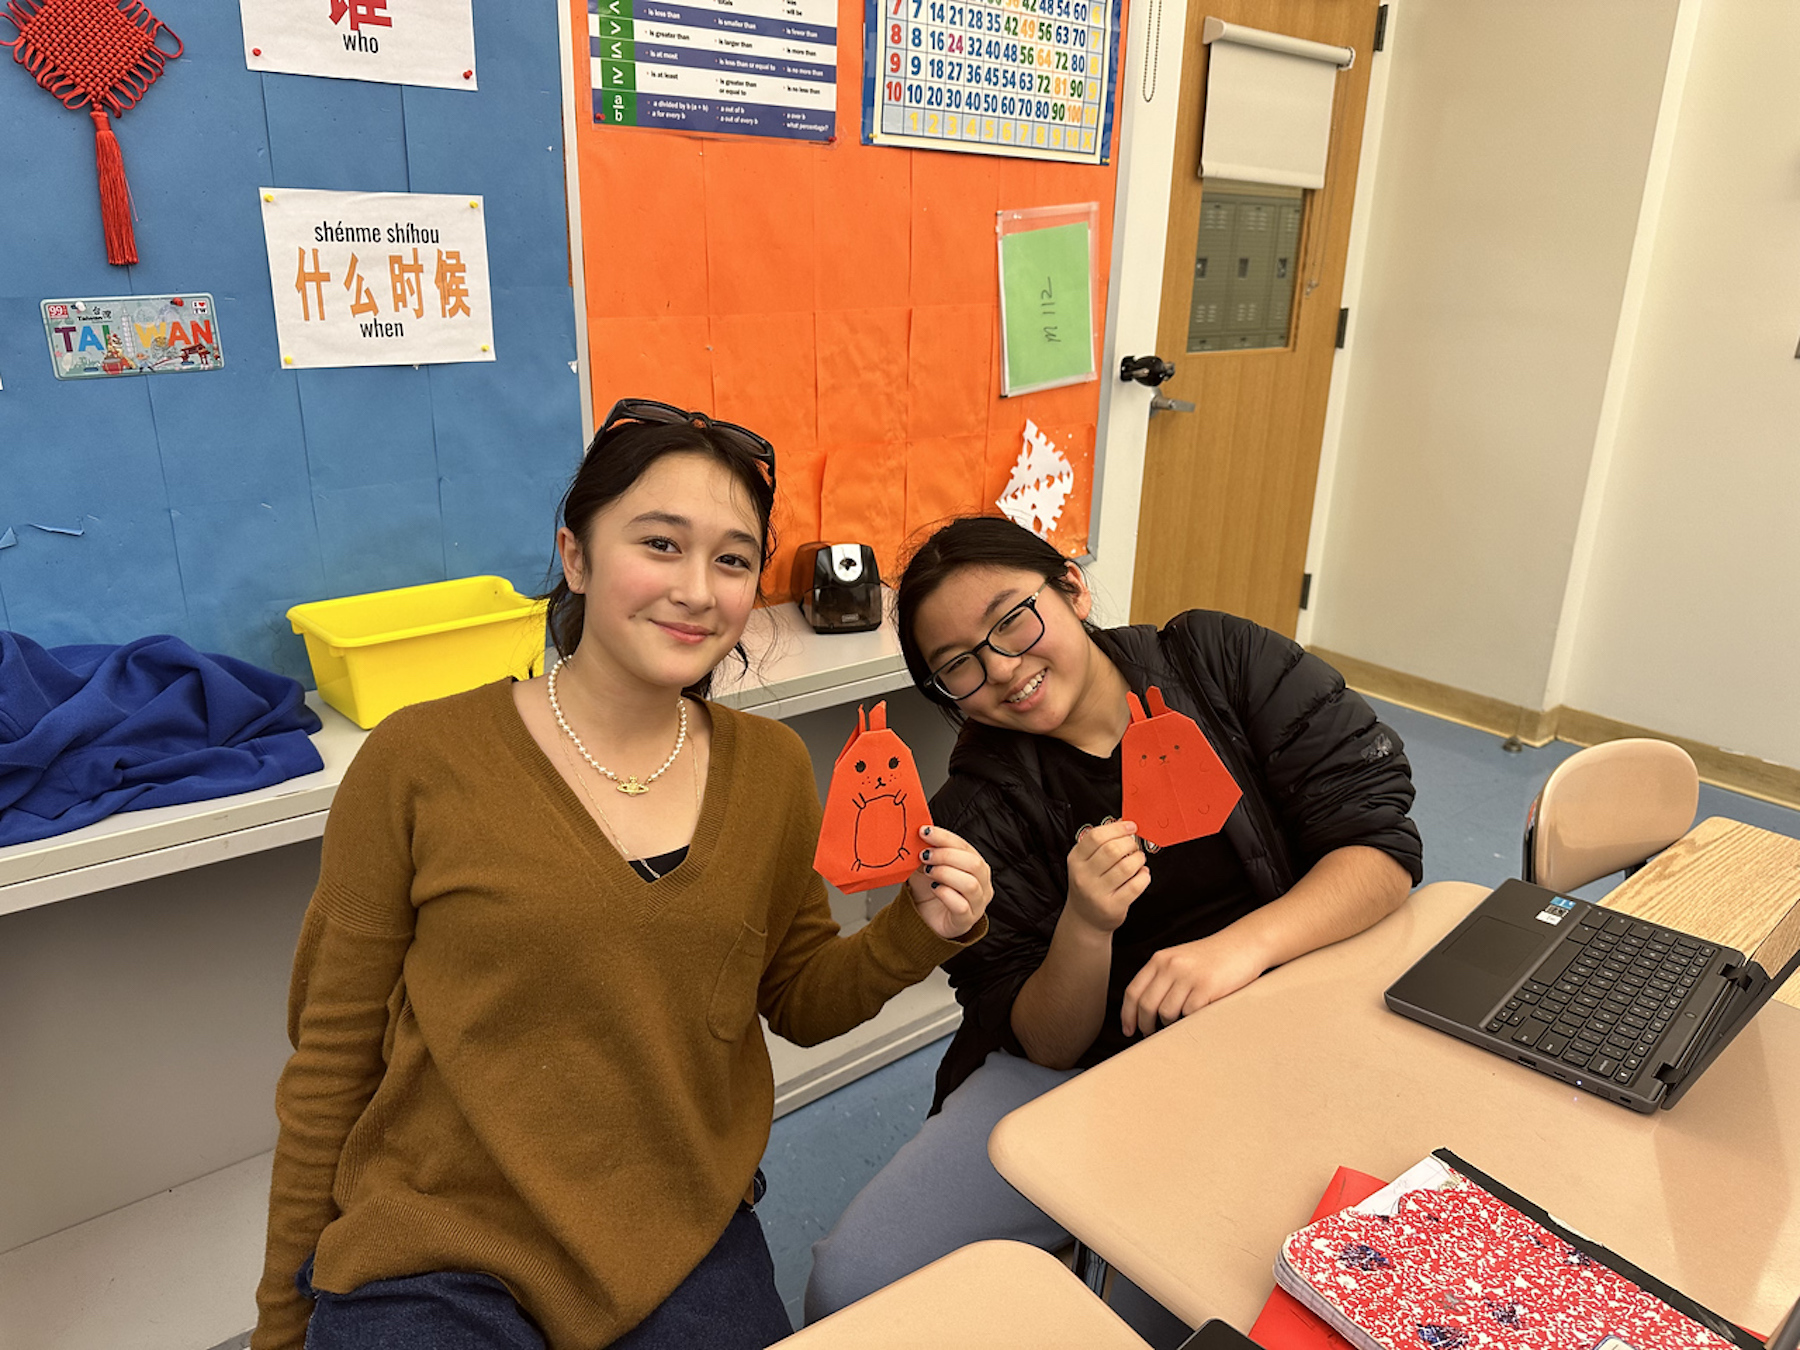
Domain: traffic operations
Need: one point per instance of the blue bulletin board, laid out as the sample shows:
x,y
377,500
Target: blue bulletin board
x,y
209,504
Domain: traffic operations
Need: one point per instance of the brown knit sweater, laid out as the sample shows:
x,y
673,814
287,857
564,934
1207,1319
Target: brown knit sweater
x,y
514,1055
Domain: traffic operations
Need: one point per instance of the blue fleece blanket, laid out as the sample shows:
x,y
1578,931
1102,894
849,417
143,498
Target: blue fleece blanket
x,y
87,731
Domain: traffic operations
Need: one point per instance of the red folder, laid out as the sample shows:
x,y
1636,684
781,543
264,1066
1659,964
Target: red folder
x,y
1283,1323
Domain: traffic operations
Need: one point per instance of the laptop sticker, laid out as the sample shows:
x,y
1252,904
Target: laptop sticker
x,y
1556,911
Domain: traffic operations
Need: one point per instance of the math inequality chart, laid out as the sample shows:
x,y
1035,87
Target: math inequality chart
x,y
1030,78
744,67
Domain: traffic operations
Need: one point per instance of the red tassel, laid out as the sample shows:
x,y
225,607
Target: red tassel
x,y
115,194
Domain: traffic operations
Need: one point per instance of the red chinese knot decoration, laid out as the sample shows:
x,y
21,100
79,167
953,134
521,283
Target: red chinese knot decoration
x,y
100,55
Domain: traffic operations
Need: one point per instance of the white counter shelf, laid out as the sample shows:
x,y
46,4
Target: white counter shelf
x,y
793,670
137,845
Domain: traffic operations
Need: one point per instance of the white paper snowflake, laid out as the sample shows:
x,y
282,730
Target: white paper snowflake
x,y
1041,481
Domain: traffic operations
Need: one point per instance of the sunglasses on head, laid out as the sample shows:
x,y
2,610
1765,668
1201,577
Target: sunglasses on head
x,y
648,410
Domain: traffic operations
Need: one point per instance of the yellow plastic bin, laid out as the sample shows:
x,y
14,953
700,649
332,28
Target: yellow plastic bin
x,y
374,653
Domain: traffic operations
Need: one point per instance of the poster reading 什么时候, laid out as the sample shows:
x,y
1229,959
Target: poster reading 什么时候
x,y
378,278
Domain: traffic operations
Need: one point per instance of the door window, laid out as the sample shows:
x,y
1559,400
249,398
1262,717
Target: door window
x,y
1246,261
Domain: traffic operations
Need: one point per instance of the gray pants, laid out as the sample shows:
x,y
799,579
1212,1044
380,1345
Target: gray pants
x,y
939,1193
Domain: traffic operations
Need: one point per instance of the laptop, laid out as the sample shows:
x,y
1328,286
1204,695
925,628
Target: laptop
x,y
1629,1010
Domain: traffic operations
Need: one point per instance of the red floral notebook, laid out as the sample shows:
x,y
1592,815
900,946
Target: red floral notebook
x,y
1285,1323
1446,1258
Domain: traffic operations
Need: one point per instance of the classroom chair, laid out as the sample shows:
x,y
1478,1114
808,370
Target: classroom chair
x,y
1608,808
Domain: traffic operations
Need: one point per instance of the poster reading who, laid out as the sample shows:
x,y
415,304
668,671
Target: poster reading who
x,y
430,42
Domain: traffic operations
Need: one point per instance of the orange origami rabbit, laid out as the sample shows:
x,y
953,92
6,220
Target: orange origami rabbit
x,y
874,810
1175,786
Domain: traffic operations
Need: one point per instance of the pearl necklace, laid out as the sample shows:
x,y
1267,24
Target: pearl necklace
x,y
631,786
612,831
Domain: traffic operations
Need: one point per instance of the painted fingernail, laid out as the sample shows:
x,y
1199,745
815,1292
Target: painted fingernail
x,y
925,831
925,856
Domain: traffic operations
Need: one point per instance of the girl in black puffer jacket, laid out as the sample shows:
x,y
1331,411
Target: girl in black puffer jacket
x,y
1093,940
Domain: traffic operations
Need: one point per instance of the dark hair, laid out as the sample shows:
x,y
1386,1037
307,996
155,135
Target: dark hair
x,y
614,461
971,541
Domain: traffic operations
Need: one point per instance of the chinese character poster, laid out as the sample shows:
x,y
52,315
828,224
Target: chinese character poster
x,y
429,42
378,278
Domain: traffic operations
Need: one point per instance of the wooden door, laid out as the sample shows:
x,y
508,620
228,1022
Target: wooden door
x,y
1228,488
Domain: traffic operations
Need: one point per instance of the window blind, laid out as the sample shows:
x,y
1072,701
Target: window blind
x,y
1268,105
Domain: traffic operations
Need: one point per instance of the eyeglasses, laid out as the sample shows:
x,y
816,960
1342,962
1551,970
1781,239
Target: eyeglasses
x,y
1016,632
667,414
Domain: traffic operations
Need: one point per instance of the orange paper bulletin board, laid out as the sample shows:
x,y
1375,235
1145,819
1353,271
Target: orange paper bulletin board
x,y
842,299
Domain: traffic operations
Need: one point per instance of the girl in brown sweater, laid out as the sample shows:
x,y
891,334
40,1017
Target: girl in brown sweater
x,y
529,1088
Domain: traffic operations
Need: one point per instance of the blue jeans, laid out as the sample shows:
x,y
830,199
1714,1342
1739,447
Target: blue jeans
x,y
938,1193
727,1302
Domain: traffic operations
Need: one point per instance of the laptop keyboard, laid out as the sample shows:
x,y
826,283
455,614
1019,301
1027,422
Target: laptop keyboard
x,y
1603,997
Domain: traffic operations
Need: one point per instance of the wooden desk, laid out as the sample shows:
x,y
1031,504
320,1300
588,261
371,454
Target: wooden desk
x,y
983,1296
1727,882
1186,1160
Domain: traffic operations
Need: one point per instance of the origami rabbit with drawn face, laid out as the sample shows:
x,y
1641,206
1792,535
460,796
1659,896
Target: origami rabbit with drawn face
x,y
881,836
1175,785
874,810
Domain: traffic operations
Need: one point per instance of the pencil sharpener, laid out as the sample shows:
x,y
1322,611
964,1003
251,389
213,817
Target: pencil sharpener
x,y
838,587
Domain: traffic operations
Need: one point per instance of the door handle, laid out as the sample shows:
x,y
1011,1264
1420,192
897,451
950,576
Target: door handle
x,y
1160,404
1150,370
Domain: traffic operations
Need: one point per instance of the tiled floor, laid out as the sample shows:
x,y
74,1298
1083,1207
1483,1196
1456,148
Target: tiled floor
x,y
1471,812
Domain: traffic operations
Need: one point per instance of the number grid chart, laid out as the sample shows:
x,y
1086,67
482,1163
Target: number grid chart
x,y
1028,78
745,67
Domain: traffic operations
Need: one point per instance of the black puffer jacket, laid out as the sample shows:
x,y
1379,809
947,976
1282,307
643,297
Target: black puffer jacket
x,y
1317,769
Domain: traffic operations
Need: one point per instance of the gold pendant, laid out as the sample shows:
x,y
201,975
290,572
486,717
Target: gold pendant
x,y
632,788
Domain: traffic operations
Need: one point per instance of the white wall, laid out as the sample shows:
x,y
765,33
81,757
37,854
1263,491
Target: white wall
x,y
1512,161
1151,96
1356,259
1526,338
1690,623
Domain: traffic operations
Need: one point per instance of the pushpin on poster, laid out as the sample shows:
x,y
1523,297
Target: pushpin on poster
x,y
1175,786
874,810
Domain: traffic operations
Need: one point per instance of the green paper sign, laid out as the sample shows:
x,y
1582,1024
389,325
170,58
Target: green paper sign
x,y
1046,304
